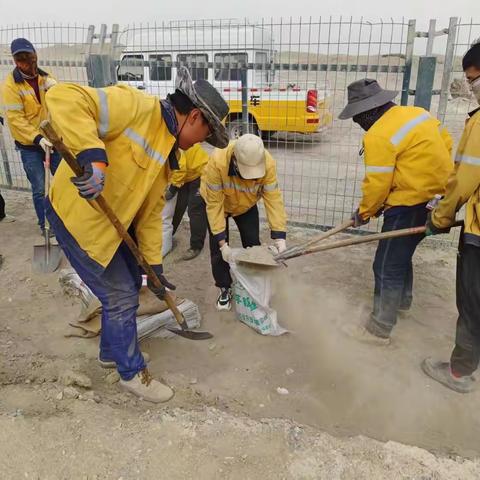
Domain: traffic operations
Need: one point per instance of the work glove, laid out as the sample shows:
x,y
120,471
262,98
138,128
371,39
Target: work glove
x,y
227,253
279,246
431,229
159,292
90,184
44,143
170,192
358,221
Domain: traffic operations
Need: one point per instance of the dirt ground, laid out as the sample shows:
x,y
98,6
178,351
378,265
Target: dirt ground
x,y
351,409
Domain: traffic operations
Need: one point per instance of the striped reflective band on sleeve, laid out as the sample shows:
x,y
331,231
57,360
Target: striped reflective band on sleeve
x,y
139,140
467,159
373,169
270,187
104,114
214,187
26,91
13,106
408,127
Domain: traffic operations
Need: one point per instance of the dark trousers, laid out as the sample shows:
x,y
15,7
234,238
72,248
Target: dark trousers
x,y
188,197
33,164
393,269
466,354
117,287
2,207
249,227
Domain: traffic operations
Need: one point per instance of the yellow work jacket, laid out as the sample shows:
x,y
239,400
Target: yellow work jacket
x,y
124,126
21,108
192,162
227,194
407,160
464,184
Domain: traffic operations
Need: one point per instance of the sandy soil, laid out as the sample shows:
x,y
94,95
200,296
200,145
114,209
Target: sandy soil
x,y
227,419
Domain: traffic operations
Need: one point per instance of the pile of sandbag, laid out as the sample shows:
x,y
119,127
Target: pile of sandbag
x,y
152,315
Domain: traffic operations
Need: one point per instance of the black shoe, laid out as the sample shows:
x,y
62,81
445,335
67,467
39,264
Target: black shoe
x,y
224,301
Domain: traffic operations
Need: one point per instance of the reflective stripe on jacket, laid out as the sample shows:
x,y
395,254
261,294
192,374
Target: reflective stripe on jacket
x,y
225,193
407,160
21,108
125,127
464,184
192,162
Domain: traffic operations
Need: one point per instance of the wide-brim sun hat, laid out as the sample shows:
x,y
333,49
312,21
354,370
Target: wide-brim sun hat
x,y
208,100
364,95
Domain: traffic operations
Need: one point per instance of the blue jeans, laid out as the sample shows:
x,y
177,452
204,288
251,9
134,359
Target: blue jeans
x,y
393,268
33,164
117,287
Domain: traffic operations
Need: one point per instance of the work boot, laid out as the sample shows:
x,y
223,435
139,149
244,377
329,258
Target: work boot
x,y
360,333
224,300
112,364
7,219
144,386
190,254
442,372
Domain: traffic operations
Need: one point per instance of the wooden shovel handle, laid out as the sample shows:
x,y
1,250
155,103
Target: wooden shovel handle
x,y
49,132
367,239
319,238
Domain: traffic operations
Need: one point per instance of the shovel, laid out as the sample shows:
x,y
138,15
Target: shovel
x,y
49,132
47,256
263,257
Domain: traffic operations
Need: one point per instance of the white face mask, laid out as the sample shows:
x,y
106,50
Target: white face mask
x,y
475,88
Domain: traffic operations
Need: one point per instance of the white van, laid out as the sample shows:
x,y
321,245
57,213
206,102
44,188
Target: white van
x,y
216,52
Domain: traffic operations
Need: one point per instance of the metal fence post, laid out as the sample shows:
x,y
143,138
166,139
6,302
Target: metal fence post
x,y
425,78
408,61
4,154
447,68
244,82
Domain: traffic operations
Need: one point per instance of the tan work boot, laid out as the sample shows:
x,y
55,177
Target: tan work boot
x,y
144,386
112,364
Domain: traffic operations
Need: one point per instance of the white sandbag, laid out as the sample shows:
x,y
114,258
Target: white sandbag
x,y
252,291
167,225
147,325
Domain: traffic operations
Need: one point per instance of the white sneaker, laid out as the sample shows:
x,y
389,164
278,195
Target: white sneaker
x,y
144,386
112,364
224,300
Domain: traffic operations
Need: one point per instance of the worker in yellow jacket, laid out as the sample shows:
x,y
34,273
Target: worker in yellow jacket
x,y
233,182
407,157
126,142
463,189
185,184
23,102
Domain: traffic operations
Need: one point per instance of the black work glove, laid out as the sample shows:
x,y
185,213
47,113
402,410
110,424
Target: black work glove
x,y
159,292
431,229
170,192
358,221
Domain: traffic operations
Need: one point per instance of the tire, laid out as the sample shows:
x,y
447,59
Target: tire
x,y
235,128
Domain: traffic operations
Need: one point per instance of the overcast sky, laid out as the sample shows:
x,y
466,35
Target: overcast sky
x,y
127,11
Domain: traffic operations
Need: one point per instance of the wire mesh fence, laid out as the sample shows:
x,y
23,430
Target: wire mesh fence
x,y
285,80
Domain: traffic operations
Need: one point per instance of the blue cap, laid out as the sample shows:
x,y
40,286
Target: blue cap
x,y
21,45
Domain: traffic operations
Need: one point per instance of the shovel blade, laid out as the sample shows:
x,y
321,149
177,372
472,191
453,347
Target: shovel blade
x,y
46,260
259,256
191,334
